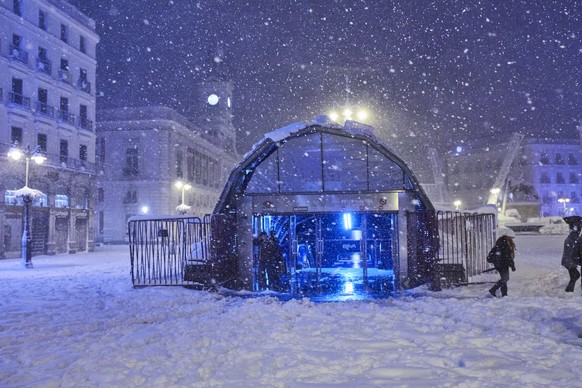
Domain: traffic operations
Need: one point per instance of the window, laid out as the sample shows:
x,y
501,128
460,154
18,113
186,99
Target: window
x,y
83,116
100,195
42,62
545,178
16,95
101,222
64,33
101,150
573,177
41,200
191,165
61,200
42,103
83,152
544,158
82,83
179,171
17,7
82,44
131,162
64,109
41,140
560,178
10,198
64,151
559,159
572,159
64,104
42,20
64,64
16,135
130,197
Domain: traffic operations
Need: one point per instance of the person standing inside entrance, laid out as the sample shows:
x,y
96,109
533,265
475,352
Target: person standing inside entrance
x,y
265,256
504,253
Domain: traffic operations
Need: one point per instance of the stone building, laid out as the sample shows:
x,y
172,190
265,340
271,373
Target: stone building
x,y
143,152
47,99
545,177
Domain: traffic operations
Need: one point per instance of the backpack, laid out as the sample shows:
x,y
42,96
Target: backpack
x,y
493,256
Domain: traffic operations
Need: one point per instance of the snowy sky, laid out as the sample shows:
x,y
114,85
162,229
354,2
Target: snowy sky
x,y
75,320
444,71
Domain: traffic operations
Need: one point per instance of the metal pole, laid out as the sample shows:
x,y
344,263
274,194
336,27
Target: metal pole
x,y
26,175
26,235
183,189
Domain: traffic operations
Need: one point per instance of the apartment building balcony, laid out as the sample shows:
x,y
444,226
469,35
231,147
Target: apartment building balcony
x,y
44,109
85,123
18,99
84,85
18,54
44,65
65,76
66,117
74,164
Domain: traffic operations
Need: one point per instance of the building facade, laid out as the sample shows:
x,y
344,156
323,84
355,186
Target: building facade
x,y
142,153
47,99
545,177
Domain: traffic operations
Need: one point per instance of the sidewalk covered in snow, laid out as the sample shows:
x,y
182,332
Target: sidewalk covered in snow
x,y
76,320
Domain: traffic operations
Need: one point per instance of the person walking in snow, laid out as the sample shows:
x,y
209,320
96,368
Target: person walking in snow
x,y
572,254
504,251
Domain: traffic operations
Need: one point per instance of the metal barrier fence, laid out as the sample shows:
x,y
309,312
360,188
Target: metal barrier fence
x,y
175,250
465,239
164,251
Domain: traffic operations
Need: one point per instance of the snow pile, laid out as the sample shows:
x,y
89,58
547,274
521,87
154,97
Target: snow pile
x,y
75,320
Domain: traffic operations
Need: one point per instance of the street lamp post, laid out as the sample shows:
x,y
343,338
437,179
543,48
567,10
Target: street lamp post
x,y
183,208
347,111
27,194
457,204
564,201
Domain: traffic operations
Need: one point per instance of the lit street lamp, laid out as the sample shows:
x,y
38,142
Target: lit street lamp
x,y
347,111
27,194
564,201
182,208
457,204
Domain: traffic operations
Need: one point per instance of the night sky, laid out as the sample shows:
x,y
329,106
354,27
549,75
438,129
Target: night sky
x,y
432,72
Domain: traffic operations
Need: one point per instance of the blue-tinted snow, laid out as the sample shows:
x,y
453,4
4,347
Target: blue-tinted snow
x,y
75,320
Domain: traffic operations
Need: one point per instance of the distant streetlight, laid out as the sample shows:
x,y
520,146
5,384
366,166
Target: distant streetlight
x,y
27,194
347,111
564,201
457,204
183,208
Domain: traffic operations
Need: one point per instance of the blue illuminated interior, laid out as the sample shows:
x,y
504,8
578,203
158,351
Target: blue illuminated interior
x,y
335,256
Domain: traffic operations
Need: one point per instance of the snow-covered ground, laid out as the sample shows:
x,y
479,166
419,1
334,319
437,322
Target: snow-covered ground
x,y
76,321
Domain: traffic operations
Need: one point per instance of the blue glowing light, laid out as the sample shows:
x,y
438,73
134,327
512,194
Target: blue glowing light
x,y
348,287
347,221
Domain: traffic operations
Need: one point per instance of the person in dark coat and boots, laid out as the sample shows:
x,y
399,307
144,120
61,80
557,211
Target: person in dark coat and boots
x,y
572,254
505,252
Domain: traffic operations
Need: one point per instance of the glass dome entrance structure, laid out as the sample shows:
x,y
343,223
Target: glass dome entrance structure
x,y
335,201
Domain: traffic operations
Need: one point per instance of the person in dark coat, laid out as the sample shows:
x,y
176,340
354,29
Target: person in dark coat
x,y
278,265
571,257
265,257
271,262
505,252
